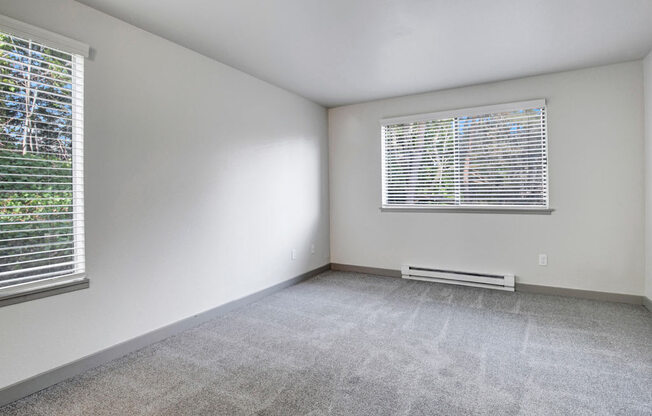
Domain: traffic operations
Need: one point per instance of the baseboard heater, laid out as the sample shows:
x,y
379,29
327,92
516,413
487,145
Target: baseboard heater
x,y
489,281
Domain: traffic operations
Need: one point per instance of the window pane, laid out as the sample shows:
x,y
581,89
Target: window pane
x,y
41,190
485,159
420,165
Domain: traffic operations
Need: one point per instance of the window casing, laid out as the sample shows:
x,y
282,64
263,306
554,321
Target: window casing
x,y
41,165
493,157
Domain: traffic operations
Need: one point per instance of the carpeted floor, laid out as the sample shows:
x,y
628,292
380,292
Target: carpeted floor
x,y
353,344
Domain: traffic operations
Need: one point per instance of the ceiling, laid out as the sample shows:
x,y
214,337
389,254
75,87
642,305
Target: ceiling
x,y
337,52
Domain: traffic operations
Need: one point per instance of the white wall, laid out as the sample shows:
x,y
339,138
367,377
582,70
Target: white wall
x,y
647,85
200,180
594,239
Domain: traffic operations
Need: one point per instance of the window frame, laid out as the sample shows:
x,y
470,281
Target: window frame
x,y
21,292
465,112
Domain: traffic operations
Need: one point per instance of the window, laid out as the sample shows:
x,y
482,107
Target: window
x,y
41,167
486,157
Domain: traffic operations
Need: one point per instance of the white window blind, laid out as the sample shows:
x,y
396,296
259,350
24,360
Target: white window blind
x,y
489,157
41,163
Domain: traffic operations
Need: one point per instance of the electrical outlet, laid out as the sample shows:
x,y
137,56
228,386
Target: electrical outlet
x,y
293,254
312,248
543,260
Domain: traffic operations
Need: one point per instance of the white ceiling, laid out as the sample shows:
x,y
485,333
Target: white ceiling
x,y
337,52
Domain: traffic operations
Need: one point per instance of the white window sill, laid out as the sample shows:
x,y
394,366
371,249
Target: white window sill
x,y
24,292
477,210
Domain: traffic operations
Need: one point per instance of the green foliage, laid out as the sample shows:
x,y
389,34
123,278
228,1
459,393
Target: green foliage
x,y
35,210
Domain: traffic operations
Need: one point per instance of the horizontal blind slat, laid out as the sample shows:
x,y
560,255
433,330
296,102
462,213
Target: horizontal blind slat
x,y
40,276
468,133
4,158
37,268
41,237
492,166
4,67
428,141
465,127
3,232
48,259
445,122
19,60
67,57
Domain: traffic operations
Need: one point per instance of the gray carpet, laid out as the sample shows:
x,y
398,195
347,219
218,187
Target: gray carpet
x,y
353,344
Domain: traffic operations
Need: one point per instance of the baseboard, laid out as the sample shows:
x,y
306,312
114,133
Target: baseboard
x,y
580,293
647,302
520,287
366,270
41,381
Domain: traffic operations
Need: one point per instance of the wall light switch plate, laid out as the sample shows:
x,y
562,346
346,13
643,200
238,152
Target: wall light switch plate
x,y
293,255
312,249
